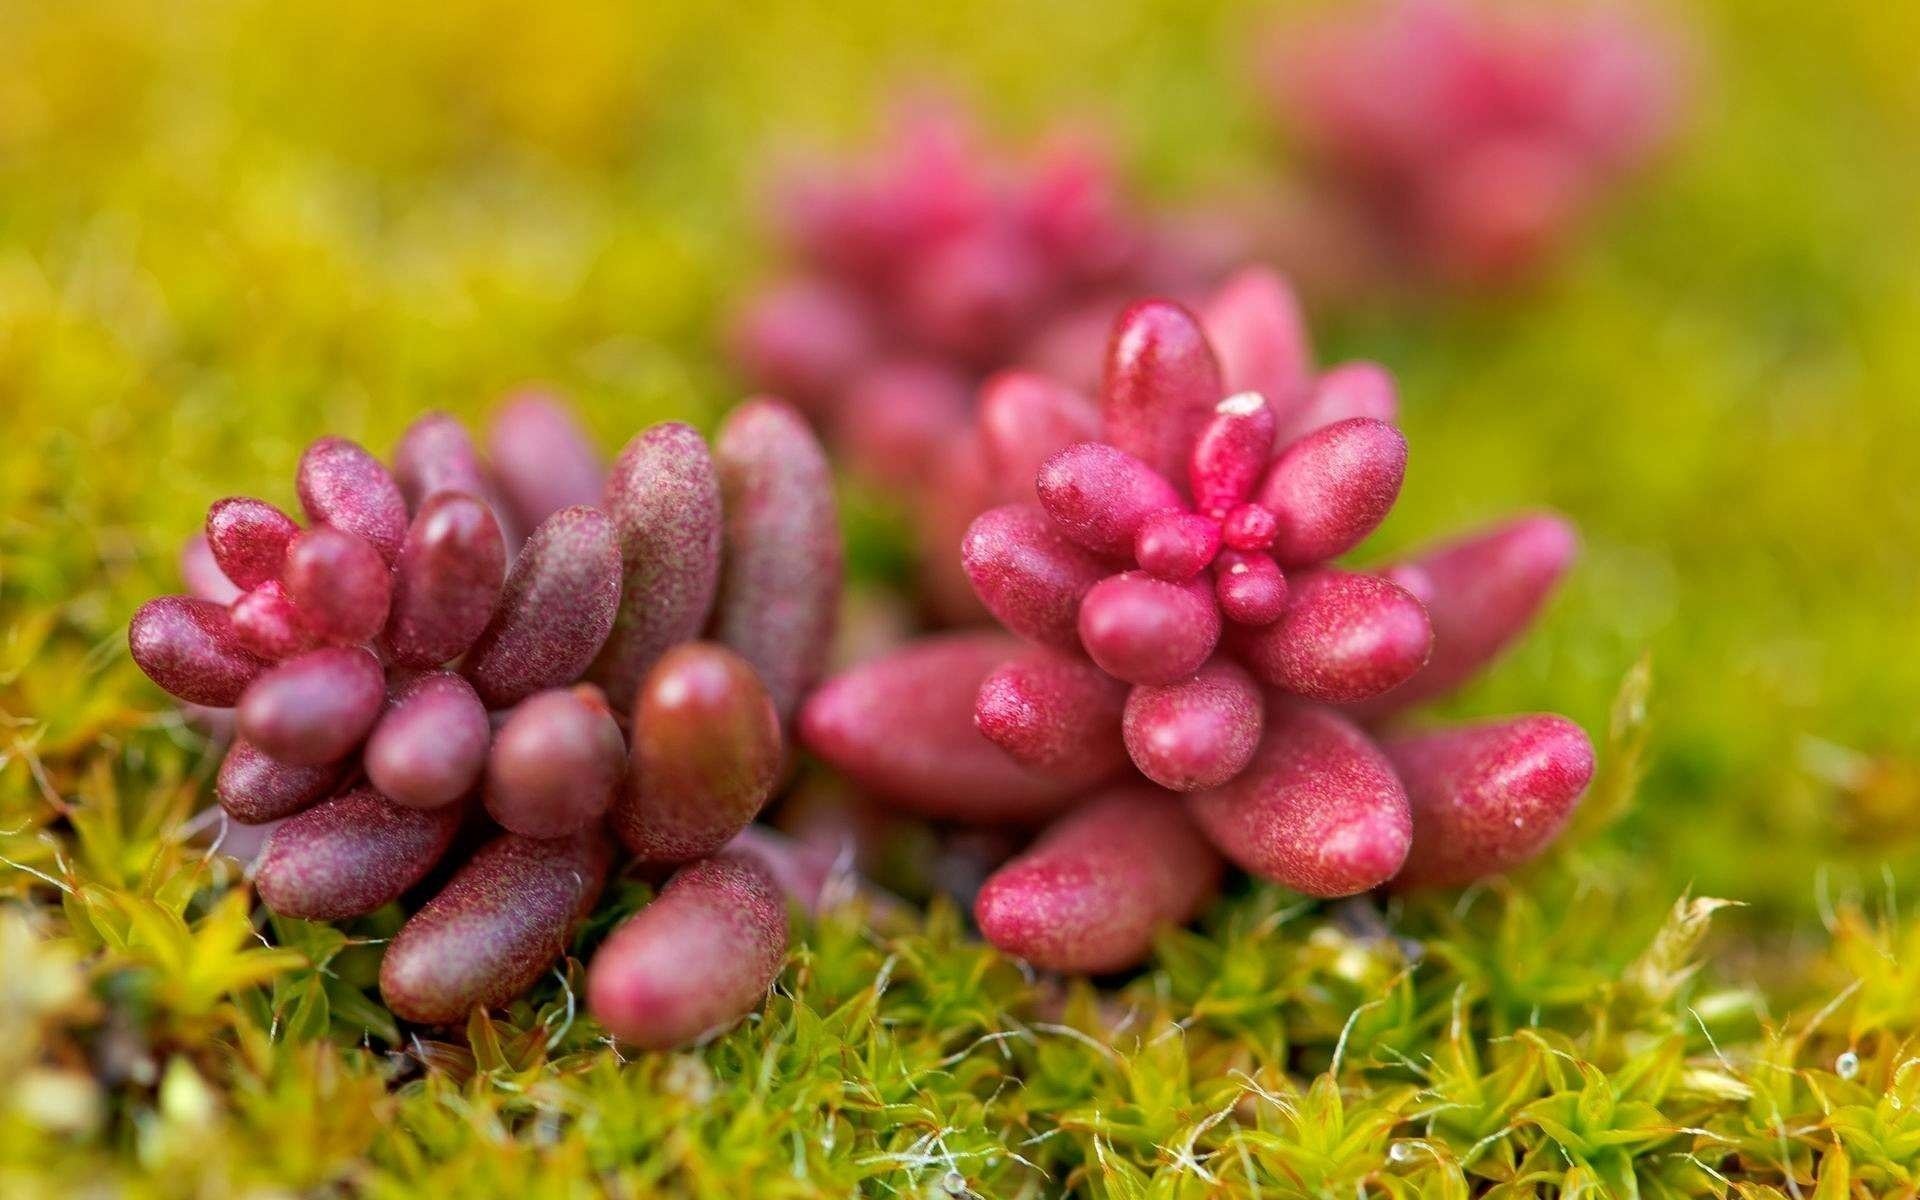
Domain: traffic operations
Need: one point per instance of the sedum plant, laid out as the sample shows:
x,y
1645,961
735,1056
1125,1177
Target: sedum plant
x,y
1187,676
1503,129
483,679
933,260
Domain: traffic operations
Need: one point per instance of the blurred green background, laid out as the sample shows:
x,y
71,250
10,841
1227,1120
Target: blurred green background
x,y
230,226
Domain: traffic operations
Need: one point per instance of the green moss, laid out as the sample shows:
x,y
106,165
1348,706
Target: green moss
x,y
228,227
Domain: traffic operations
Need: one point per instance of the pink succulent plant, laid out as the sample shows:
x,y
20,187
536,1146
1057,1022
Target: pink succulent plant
x,y
1472,140
937,259
1172,577
404,668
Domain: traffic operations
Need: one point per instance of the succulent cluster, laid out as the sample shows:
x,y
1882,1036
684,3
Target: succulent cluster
x,y
938,259
1179,624
1466,142
406,675
1186,680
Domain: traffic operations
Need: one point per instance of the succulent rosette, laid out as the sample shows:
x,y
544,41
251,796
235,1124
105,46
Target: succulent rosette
x,y
1472,140
406,675
1187,674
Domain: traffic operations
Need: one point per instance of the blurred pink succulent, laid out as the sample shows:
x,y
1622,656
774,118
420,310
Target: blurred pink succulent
x,y
936,259
1474,139
1171,578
